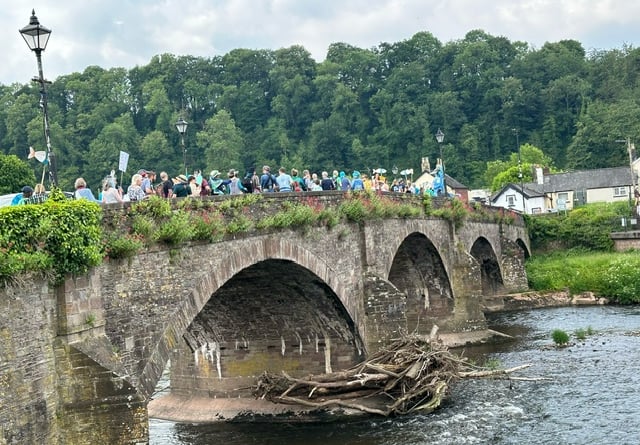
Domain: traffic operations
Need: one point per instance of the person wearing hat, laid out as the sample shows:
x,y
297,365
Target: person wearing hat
x,y
234,184
216,183
181,187
22,198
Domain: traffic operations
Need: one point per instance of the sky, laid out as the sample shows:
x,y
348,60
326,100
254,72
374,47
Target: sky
x,y
128,33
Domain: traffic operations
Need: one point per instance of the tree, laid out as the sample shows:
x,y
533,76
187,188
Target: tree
x,y
14,174
221,142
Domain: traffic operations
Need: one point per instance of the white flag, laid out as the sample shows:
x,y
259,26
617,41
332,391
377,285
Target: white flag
x,y
124,160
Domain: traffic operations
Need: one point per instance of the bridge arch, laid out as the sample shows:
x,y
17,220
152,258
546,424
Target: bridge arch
x,y
490,269
523,246
418,270
314,315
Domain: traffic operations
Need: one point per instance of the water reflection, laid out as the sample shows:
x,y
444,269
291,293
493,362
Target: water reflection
x,y
593,398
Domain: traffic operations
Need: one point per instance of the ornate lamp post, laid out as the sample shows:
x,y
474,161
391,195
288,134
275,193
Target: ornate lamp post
x,y
181,125
440,139
517,133
37,37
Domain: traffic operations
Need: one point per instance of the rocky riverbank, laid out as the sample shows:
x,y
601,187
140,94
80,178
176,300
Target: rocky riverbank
x,y
535,300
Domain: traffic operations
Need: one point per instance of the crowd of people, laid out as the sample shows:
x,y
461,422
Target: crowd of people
x,y
144,183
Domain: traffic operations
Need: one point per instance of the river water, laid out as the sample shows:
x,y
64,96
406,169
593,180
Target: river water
x,y
593,397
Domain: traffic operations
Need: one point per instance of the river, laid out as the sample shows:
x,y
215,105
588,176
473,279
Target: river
x,y
593,397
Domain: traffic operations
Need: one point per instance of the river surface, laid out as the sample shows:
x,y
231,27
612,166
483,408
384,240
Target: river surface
x,y
593,397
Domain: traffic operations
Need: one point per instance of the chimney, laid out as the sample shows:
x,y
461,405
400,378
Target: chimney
x,y
539,175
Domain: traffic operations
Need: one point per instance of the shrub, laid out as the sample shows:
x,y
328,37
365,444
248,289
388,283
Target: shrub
x,y
207,226
153,207
119,247
560,337
176,230
293,216
453,211
240,223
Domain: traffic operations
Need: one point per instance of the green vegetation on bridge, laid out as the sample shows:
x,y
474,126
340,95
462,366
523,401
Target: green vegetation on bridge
x,y
61,236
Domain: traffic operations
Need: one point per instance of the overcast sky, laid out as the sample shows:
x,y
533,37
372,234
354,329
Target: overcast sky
x,y
126,33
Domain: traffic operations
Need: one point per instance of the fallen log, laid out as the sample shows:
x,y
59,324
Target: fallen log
x,y
411,375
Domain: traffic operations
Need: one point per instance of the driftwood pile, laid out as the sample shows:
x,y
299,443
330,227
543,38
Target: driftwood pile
x,y
411,375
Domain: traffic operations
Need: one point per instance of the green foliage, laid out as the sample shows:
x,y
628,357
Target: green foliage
x,y
125,246
612,275
62,235
622,279
354,210
582,334
560,337
453,211
296,216
14,174
360,206
207,226
175,230
250,107
230,205
144,226
587,227
239,224
427,203
12,264
154,207
90,320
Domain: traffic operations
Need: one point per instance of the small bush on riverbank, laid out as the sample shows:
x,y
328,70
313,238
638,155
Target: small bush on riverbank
x,y
612,275
560,337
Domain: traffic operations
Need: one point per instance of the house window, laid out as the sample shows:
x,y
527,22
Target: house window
x,y
619,191
564,196
511,200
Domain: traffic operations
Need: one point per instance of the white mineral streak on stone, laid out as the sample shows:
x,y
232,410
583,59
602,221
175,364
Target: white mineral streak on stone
x,y
299,343
327,355
218,364
283,347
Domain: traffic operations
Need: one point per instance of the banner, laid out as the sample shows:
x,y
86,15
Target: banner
x,y
124,160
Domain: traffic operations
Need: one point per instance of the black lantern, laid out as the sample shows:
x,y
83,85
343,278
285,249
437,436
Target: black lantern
x,y
37,37
181,125
440,139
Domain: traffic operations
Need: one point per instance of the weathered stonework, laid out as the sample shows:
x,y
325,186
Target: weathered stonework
x,y
79,363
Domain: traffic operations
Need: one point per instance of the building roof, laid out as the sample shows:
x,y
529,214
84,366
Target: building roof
x,y
586,180
530,190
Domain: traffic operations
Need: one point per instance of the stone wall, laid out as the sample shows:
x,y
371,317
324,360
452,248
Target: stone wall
x,y
28,395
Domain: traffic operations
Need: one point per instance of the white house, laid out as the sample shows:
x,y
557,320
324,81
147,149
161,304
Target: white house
x,y
561,191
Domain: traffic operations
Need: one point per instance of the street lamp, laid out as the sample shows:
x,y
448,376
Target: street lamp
x,y
524,204
37,37
181,125
440,139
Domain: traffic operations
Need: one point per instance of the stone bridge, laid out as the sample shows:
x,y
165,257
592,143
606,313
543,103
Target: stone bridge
x,y
88,355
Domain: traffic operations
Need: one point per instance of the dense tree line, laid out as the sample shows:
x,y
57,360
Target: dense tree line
x,y
358,109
